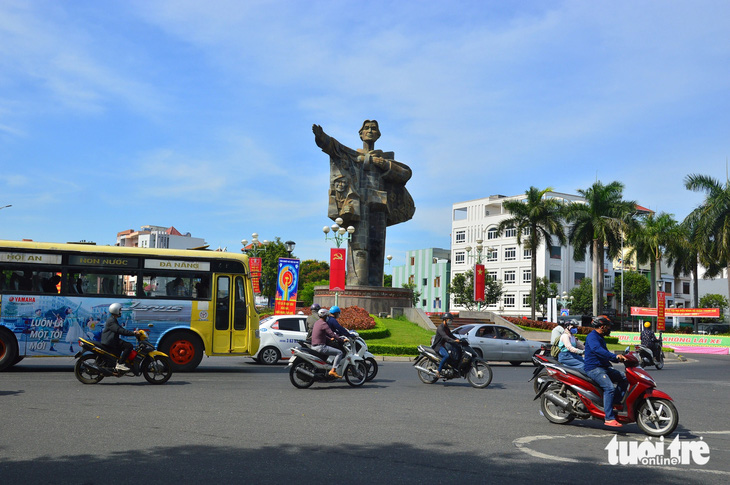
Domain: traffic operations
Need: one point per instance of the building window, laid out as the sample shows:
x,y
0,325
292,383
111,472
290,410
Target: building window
x,y
685,288
423,303
555,252
526,231
437,282
510,277
460,257
425,282
491,233
460,214
527,254
510,254
554,276
526,302
526,276
437,303
411,278
510,232
492,275
491,254
509,300
668,287
460,237
413,261
578,277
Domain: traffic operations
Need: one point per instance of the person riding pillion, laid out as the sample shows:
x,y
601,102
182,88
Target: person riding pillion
x,y
443,337
323,338
311,320
110,337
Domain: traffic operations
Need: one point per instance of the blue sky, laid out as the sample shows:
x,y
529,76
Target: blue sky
x,y
119,114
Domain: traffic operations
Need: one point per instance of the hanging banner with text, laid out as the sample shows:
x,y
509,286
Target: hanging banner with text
x,y
479,283
286,287
255,265
637,311
337,269
660,310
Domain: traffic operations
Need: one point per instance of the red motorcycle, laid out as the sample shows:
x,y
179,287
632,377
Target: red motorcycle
x,y
566,394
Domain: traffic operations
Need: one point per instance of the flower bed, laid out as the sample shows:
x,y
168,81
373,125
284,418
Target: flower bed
x,y
352,318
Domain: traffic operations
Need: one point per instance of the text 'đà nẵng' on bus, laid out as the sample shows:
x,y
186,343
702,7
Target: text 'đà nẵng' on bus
x,y
190,302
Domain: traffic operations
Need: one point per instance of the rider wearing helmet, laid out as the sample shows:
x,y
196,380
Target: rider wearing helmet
x,y
444,337
335,325
598,360
649,340
311,320
110,336
323,338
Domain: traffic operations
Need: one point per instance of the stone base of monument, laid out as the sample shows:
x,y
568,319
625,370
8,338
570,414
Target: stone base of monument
x,y
374,299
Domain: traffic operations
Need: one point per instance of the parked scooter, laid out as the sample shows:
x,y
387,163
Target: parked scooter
x,y
308,366
94,363
568,394
463,362
647,356
361,349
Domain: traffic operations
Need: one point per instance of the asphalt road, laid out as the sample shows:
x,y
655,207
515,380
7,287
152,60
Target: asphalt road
x,y
233,421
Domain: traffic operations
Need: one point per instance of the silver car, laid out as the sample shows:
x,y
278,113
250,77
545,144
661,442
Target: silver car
x,y
495,342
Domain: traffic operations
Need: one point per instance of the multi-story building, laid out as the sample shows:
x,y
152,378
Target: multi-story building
x,y
158,237
429,270
507,261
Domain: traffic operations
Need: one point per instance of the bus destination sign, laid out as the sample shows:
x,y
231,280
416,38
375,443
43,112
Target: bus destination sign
x,y
175,265
102,261
37,258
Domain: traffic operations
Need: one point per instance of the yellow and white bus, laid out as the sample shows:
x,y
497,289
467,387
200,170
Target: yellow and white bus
x,y
190,301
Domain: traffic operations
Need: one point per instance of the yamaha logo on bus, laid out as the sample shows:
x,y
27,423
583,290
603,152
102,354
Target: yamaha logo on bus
x,y
21,299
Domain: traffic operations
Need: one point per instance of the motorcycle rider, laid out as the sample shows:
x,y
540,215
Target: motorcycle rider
x,y
649,340
322,339
597,365
110,336
311,320
571,349
443,337
335,325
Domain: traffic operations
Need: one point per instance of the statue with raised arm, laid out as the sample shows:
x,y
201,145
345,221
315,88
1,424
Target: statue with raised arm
x,y
367,190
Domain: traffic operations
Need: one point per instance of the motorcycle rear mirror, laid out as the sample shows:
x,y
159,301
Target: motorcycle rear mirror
x,y
628,349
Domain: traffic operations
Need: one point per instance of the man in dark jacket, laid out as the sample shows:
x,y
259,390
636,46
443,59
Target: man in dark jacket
x,y
443,337
597,365
110,337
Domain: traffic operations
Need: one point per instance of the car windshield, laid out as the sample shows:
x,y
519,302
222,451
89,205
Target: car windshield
x,y
463,329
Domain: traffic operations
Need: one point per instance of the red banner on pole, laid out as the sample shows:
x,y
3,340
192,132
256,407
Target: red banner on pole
x,y
255,265
479,283
660,307
337,269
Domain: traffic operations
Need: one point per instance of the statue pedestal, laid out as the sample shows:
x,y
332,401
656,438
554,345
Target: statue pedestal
x,y
374,299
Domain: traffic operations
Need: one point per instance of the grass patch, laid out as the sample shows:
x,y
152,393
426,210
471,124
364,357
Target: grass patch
x,y
403,337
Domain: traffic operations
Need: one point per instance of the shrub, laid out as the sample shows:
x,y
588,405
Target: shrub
x,y
352,318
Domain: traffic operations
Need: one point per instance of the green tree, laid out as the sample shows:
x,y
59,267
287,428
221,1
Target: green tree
x,y
461,288
637,290
388,281
648,239
415,294
537,219
594,226
312,270
306,293
582,298
544,290
713,300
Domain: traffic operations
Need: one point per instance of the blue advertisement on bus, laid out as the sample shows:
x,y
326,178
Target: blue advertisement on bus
x,y
52,325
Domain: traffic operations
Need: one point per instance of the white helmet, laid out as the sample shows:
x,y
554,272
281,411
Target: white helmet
x,y
115,309
323,312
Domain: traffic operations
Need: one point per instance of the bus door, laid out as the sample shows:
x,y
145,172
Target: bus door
x,y
229,332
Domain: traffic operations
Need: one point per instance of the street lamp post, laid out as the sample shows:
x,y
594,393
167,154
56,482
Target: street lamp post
x,y
623,272
289,246
340,235
387,263
257,249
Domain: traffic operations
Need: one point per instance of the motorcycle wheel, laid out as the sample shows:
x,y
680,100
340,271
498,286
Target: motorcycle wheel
x,y
157,370
372,368
425,377
535,384
356,374
84,373
659,364
554,413
666,420
301,381
480,375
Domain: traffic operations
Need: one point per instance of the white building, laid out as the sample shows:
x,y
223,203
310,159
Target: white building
x,y
507,261
158,237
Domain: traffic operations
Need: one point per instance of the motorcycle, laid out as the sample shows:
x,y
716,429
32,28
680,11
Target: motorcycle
x,y
463,362
94,363
647,356
540,374
361,349
568,394
308,366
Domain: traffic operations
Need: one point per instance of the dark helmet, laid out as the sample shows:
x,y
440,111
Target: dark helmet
x,y
315,308
447,316
600,321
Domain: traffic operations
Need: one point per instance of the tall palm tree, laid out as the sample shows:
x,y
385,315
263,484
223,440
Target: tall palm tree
x,y
537,219
683,253
649,241
593,225
712,217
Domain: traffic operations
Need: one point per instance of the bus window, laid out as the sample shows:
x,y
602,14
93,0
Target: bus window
x,y
239,319
222,304
31,281
178,286
108,284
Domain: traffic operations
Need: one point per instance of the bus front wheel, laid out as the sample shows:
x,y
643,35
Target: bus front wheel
x,y
8,350
184,349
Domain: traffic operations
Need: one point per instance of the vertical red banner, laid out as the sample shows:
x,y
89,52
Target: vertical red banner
x,y
255,265
479,283
337,269
660,311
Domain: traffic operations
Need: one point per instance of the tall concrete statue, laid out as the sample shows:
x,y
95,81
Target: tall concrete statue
x,y
367,190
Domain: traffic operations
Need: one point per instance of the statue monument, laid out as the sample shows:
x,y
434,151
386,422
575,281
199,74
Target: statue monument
x,y
367,190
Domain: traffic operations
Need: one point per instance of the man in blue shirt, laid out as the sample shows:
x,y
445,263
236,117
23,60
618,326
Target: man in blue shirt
x,y
597,359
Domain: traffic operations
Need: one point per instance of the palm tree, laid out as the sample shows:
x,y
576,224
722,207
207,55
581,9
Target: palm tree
x,y
683,253
649,240
537,218
593,225
712,219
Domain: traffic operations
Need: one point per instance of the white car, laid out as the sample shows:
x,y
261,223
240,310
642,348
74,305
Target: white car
x,y
278,334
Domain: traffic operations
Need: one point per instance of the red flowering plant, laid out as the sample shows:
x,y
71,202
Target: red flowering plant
x,y
352,318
